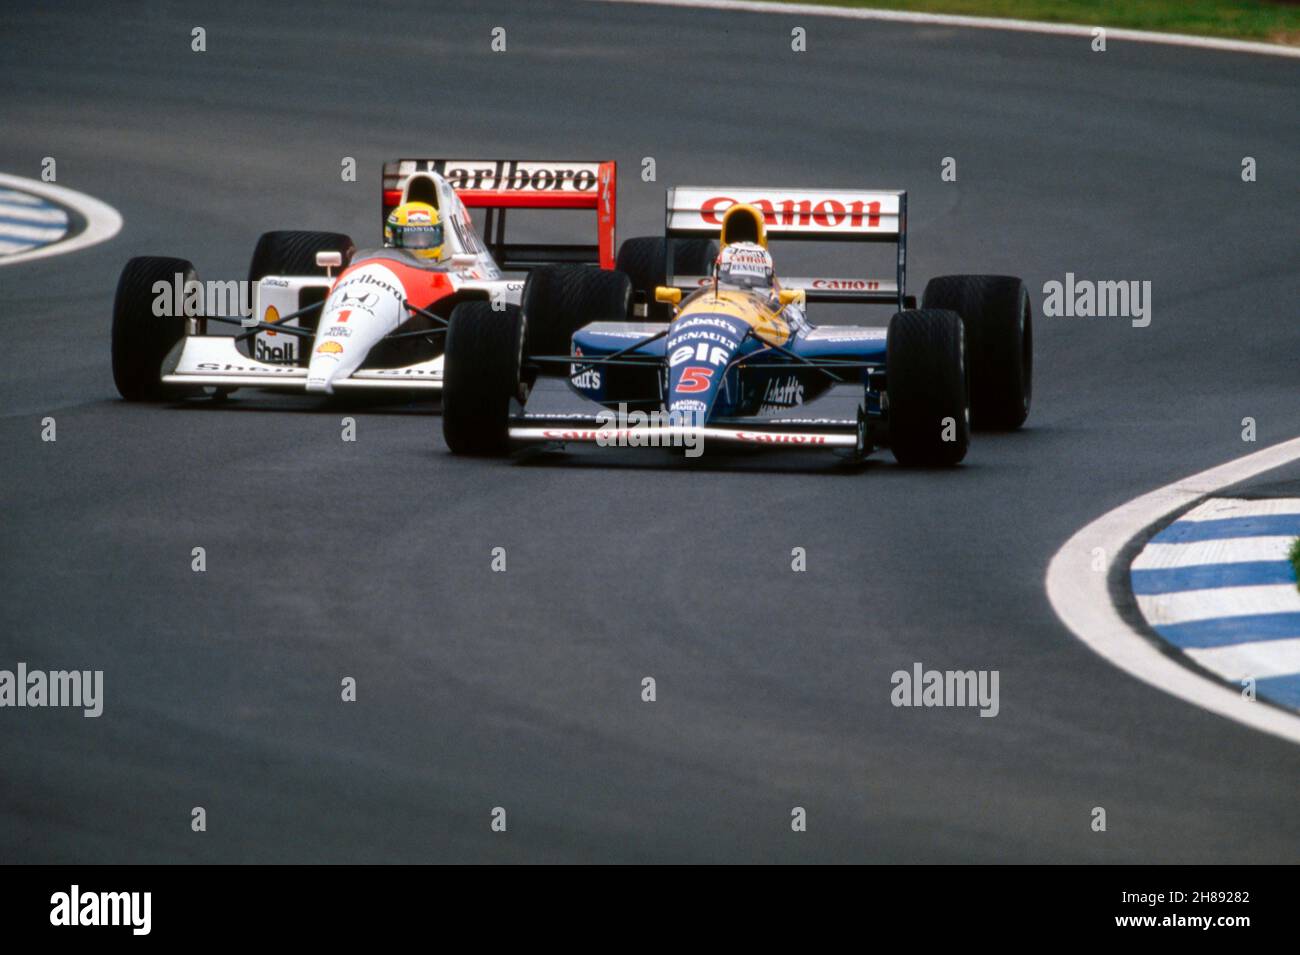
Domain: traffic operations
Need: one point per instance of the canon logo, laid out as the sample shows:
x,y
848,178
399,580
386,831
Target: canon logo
x,y
571,435
860,285
762,438
826,214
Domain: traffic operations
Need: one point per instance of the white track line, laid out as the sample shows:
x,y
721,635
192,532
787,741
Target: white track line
x,y
1220,508
1184,606
1226,550
102,220
22,198
1081,596
28,213
36,233
981,23
1259,659
7,247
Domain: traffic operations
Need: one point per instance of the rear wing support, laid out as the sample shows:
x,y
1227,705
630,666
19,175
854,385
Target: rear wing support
x,y
498,185
816,215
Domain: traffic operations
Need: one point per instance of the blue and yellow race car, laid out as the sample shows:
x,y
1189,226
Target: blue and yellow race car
x,y
729,356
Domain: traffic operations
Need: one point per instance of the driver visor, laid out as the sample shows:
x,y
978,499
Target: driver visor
x,y
418,236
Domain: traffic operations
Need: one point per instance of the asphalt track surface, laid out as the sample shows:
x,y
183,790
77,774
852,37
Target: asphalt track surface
x,y
522,689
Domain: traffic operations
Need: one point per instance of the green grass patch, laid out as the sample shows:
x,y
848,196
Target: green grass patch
x,y
1295,560
1276,21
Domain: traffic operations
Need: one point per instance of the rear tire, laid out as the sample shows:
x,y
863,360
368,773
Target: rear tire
x,y
480,377
141,339
998,316
644,260
929,402
559,299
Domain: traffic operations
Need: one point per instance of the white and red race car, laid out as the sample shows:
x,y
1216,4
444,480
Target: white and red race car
x,y
319,316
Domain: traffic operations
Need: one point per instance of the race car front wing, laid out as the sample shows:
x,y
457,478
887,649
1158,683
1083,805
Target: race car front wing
x,y
215,360
630,431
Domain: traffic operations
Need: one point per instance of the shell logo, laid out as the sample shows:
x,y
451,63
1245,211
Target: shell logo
x,y
329,348
271,317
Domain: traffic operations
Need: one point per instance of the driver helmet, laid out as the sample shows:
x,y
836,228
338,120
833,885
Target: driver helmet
x,y
416,227
745,265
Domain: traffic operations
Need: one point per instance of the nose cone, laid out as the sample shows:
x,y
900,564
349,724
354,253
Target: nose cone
x,y
363,307
700,346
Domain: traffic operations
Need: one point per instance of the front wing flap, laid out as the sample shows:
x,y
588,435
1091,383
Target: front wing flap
x,y
216,361
607,430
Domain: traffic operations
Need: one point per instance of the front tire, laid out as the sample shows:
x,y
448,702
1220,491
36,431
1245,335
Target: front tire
x,y
559,299
998,316
142,339
480,377
929,402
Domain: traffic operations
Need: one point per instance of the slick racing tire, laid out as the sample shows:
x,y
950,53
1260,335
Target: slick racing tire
x,y
925,375
560,299
644,260
141,339
1000,340
294,252
481,375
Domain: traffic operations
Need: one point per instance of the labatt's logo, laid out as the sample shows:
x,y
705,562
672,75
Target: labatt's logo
x,y
784,395
826,213
513,176
589,378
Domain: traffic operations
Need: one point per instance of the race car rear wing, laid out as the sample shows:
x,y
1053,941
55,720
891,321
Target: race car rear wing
x,y
819,215
500,184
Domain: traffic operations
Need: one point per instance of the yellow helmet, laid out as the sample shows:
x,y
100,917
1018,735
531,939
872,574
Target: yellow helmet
x,y
743,223
416,227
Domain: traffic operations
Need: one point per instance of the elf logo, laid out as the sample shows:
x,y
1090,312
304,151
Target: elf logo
x,y
703,352
75,907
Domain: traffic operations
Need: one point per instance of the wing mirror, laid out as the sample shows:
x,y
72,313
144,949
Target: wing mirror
x,y
665,293
329,260
464,260
792,296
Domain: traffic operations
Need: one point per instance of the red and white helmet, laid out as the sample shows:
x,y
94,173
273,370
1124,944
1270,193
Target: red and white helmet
x,y
745,265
